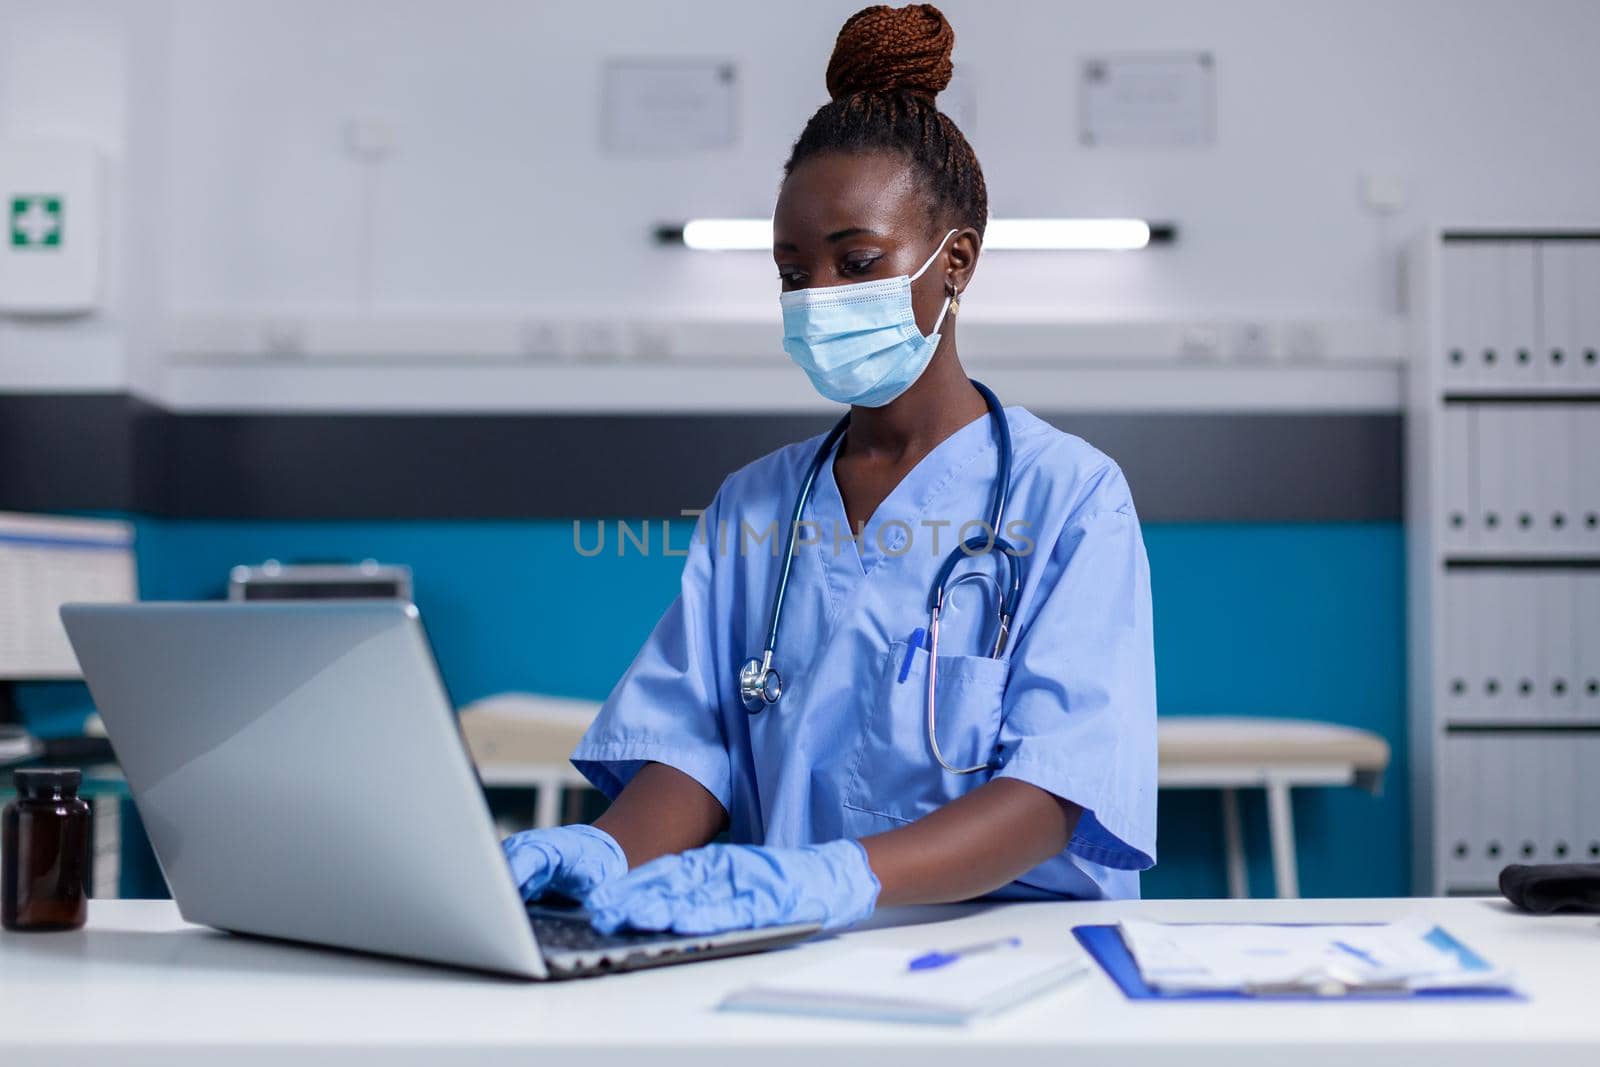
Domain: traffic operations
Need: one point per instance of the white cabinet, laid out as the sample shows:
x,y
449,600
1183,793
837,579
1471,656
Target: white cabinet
x,y
1503,520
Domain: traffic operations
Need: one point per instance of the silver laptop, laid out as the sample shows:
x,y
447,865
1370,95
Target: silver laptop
x,y
301,776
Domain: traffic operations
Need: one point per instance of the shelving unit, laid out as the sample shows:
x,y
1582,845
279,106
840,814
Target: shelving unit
x,y
1503,516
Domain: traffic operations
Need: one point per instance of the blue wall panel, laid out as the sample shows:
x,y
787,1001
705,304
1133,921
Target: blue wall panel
x,y
1302,621
1299,620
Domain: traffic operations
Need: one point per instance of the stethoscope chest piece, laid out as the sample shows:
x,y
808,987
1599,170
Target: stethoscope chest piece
x,y
760,685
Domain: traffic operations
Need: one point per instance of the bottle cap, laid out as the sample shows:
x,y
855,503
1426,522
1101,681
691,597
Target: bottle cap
x,y
41,783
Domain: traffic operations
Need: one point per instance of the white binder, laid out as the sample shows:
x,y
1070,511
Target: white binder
x,y
1558,644
1515,308
1457,659
1481,785
1586,792
1586,291
1526,817
1560,311
1552,445
1458,840
1586,588
1497,810
1519,629
1586,475
1489,651
1459,515
1459,312
1490,329
1507,823
1523,431
1540,830
1589,812
1493,469
1478,265
1561,801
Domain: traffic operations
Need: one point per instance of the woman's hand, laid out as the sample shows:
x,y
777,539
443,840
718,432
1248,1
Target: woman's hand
x,y
739,887
570,860
662,810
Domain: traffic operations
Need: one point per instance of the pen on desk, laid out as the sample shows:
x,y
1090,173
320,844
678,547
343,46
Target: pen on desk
x,y
937,958
1365,957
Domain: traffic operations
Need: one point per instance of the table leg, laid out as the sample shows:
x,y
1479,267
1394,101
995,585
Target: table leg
x,y
572,805
1233,840
547,808
1280,824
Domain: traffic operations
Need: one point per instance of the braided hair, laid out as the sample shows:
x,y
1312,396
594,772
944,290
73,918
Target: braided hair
x,y
887,66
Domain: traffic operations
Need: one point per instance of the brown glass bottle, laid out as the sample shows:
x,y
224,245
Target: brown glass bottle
x,y
45,837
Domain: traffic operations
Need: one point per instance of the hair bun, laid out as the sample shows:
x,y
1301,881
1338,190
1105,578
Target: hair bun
x,y
883,49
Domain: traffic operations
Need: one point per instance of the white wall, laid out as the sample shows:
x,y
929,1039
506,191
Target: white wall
x,y
499,194
234,195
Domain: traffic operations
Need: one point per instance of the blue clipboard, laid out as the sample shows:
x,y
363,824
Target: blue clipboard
x,y
1105,945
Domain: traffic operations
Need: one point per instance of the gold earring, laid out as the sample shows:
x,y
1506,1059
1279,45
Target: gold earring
x,y
955,297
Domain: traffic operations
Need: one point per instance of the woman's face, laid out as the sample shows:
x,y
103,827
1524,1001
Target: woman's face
x,y
855,218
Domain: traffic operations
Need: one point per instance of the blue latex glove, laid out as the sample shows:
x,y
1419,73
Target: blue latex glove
x,y
570,860
738,887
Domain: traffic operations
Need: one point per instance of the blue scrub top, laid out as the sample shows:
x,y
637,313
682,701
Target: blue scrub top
x,y
1070,706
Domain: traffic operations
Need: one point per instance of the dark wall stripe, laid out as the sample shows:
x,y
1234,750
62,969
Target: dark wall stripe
x,y
61,453
497,466
101,452
1253,468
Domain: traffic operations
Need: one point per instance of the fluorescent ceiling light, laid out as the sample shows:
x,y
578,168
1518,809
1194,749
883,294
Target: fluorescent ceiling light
x,y
1067,234
728,235
755,235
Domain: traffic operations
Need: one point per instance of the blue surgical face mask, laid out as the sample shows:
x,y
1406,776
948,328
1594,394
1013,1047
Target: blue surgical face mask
x,y
859,343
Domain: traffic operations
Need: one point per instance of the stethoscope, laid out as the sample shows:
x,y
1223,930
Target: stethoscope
x,y
760,684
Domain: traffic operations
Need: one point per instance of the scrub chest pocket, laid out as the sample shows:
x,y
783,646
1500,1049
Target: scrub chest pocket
x,y
895,777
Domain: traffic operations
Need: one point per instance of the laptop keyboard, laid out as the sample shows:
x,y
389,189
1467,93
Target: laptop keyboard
x,y
571,947
573,933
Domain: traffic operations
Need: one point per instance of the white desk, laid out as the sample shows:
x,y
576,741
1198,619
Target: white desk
x,y
140,987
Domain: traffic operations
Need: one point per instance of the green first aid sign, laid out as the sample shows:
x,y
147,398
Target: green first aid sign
x,y
36,221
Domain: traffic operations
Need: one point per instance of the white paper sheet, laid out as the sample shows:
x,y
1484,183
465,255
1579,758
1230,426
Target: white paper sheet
x,y
1176,958
877,983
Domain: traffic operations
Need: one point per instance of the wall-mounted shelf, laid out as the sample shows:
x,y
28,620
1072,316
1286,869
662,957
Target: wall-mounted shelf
x,y
777,386
498,361
538,337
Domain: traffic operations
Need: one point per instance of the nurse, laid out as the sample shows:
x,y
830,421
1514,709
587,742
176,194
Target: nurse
x,y
833,798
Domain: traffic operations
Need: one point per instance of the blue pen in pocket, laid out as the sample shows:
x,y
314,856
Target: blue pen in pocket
x,y
917,639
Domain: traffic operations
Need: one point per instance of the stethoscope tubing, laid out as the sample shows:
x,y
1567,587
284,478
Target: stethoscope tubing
x,y
933,674
758,678
775,615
